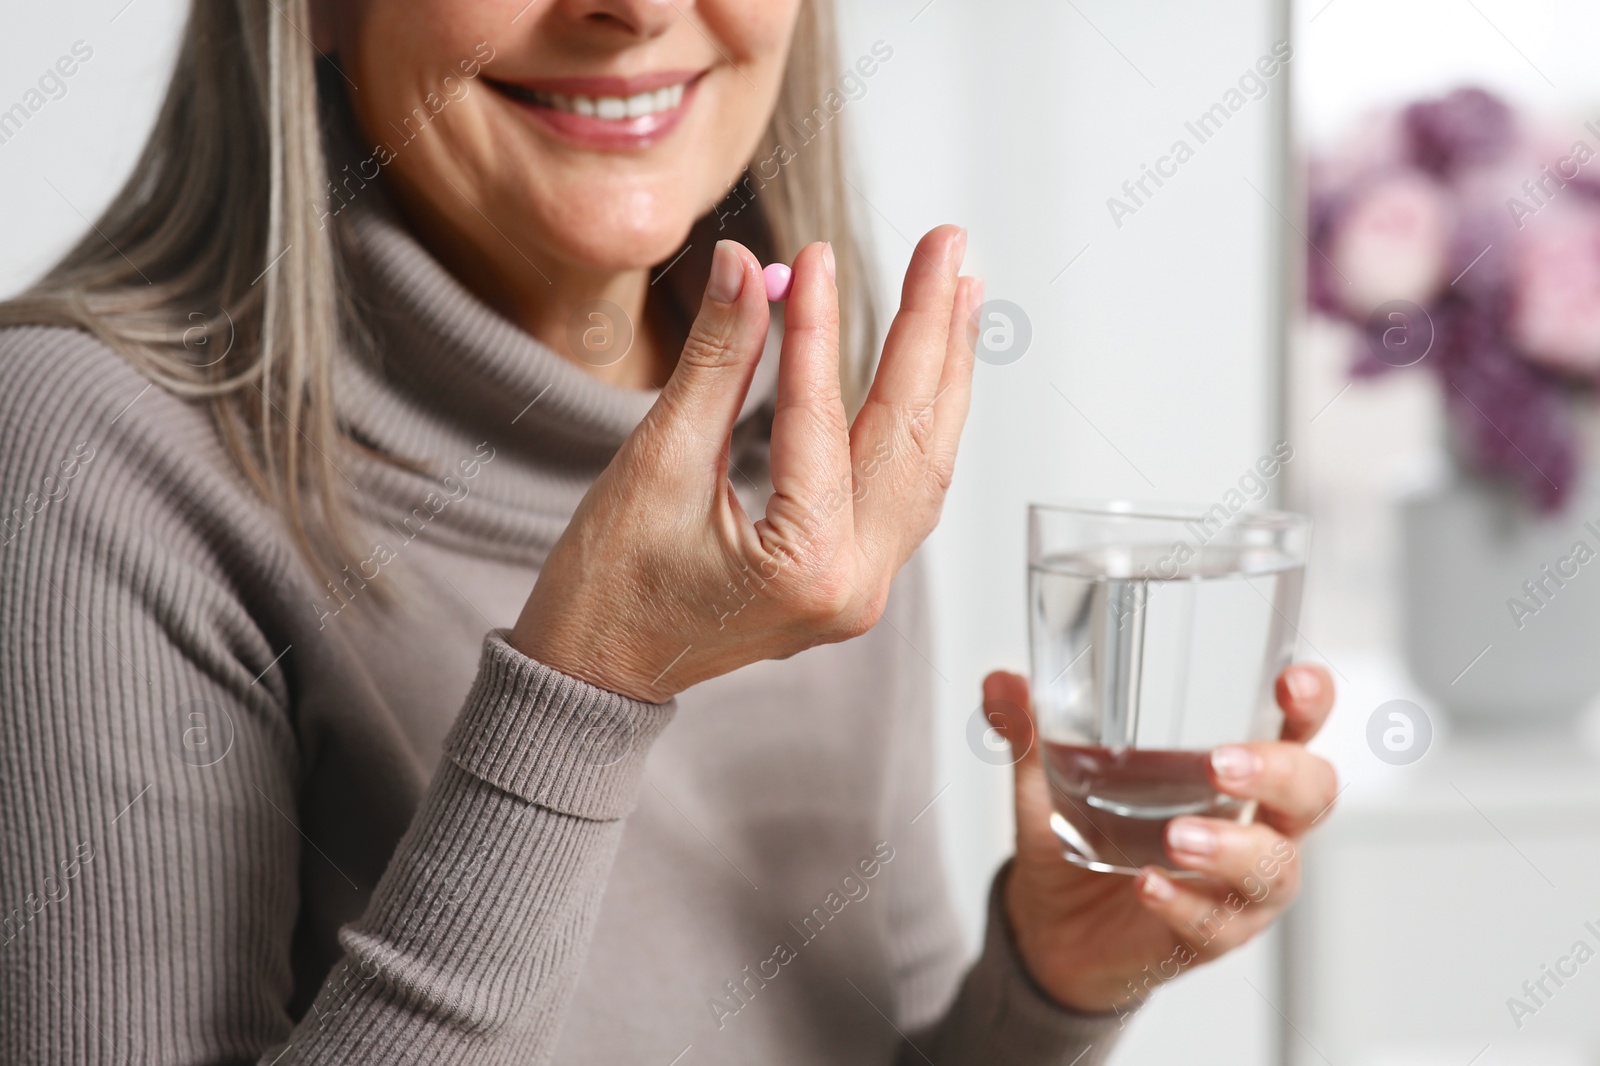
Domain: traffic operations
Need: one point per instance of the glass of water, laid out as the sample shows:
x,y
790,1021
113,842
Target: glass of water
x,y
1157,634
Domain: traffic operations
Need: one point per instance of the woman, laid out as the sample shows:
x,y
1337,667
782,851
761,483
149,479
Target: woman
x,y
340,376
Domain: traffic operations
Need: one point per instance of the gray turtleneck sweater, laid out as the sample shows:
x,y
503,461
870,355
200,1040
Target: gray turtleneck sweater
x,y
246,818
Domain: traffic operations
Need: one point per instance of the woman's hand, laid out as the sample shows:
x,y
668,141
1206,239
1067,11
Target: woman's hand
x,y
1098,942
661,579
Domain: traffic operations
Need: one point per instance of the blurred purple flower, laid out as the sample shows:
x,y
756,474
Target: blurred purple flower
x,y
1512,302
1391,242
1466,128
1514,423
1511,417
1556,314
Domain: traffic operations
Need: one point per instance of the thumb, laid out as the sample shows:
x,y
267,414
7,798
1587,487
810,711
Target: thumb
x,y
1007,705
708,387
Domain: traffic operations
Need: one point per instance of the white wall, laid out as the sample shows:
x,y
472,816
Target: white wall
x,y
1018,121
1361,53
70,157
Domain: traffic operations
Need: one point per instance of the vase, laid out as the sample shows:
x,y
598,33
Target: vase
x,y
1501,605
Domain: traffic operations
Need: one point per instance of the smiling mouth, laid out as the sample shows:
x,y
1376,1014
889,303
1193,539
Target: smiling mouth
x,y
607,108
606,113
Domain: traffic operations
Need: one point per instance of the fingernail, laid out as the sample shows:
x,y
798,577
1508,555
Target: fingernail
x,y
827,262
1192,838
727,273
958,249
977,293
1156,887
1233,762
1303,684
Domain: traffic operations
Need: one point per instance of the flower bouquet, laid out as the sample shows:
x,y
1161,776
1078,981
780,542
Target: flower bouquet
x,y
1463,238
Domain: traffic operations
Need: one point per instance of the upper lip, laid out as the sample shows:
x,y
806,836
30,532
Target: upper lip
x,y
600,85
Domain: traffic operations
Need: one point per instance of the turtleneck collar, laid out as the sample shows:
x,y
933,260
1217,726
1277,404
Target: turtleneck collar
x,y
443,369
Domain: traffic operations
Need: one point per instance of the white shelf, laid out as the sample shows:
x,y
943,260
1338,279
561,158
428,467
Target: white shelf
x,y
1436,889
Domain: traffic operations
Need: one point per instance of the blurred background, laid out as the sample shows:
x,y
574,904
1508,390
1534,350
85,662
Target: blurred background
x,y
1164,335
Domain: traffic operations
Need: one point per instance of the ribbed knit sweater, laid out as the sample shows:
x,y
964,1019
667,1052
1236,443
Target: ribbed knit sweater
x,y
245,817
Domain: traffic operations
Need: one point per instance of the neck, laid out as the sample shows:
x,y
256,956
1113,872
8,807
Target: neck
x,y
603,321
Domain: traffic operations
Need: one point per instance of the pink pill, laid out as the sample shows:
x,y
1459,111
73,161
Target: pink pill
x,y
778,278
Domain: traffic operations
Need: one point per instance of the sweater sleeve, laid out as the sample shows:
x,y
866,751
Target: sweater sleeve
x,y
993,1012
471,947
150,856
1000,1015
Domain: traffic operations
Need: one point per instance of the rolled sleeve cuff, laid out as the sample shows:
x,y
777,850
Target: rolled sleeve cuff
x,y
551,739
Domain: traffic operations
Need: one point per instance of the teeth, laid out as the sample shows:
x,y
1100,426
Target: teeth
x,y
612,108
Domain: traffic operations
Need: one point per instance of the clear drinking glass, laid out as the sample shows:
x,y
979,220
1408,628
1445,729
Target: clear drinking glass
x,y
1157,634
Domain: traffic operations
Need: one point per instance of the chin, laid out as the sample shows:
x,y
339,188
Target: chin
x,y
611,240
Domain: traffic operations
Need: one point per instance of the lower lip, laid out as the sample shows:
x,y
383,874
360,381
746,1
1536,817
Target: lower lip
x,y
615,135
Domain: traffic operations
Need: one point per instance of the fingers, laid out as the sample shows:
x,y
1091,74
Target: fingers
x,y
1305,692
914,352
811,477
949,409
1212,918
1295,788
899,431
1249,874
703,397
1252,859
1006,705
